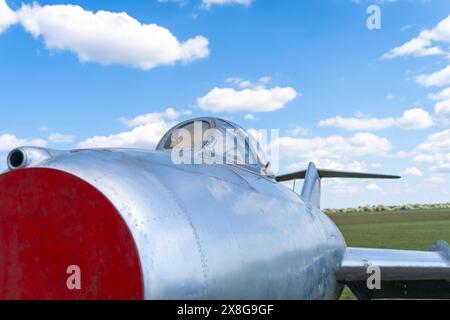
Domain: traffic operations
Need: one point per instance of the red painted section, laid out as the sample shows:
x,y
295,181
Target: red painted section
x,y
50,220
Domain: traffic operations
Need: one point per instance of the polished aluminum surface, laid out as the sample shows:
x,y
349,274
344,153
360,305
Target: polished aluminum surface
x,y
30,156
312,187
211,232
395,264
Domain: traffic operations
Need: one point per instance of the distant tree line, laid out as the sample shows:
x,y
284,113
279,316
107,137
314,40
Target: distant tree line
x,y
381,208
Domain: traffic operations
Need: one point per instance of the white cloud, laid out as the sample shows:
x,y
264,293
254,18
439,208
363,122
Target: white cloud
x,y
443,108
357,124
427,44
332,152
333,147
340,187
442,95
43,128
246,96
373,187
206,4
413,171
243,83
442,168
439,78
435,151
406,27
431,157
417,47
61,138
435,179
107,37
401,155
220,100
170,114
424,44
250,117
418,157
436,143
147,131
297,132
145,136
413,119
264,80
376,1
423,158
333,164
10,141
7,16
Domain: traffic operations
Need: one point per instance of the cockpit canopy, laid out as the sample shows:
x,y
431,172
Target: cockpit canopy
x,y
214,141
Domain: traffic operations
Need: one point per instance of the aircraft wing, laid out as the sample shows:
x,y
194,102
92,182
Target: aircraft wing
x,y
403,273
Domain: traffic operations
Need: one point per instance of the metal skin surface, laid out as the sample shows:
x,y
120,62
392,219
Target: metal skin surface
x,y
213,231
403,274
395,264
31,156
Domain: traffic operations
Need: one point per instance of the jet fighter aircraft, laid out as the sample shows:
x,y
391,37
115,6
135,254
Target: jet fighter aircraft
x,y
176,223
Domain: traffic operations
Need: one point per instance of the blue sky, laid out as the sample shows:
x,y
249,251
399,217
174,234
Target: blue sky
x,y
342,95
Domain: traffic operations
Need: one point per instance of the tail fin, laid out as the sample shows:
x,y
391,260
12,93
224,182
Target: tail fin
x,y
312,176
312,186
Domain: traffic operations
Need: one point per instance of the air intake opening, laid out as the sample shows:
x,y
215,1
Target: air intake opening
x,y
16,159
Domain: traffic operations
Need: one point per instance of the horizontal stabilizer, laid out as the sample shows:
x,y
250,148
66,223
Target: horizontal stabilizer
x,y
323,173
313,176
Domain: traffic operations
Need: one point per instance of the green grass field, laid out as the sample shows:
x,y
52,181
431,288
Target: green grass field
x,y
411,230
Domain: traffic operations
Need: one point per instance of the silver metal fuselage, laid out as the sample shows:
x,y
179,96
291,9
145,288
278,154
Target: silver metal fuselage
x,y
214,231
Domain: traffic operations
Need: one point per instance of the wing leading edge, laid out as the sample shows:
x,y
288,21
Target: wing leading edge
x,y
403,273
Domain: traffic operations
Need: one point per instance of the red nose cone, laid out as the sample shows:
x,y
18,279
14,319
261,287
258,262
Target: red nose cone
x,y
60,238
